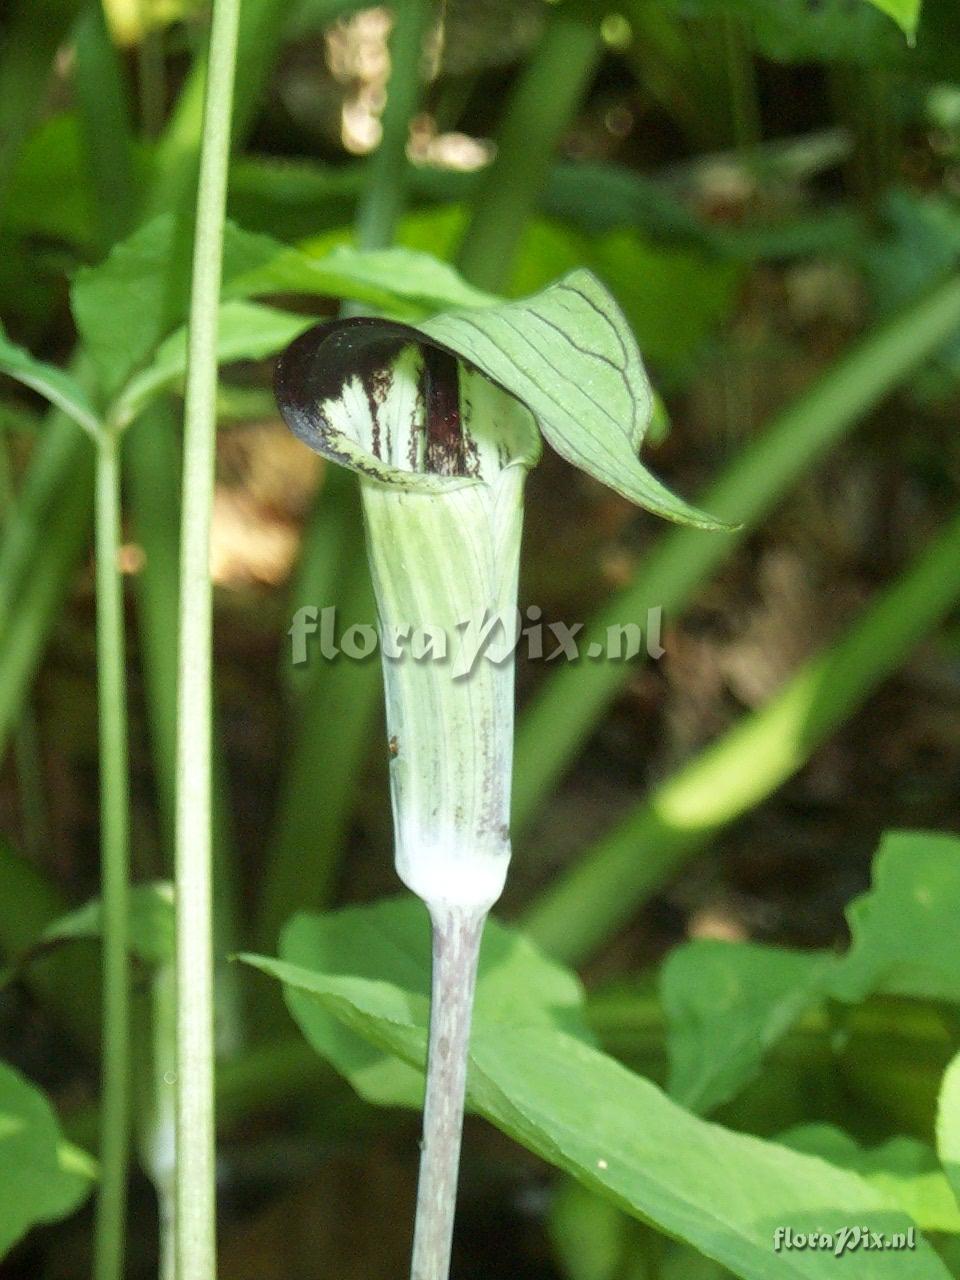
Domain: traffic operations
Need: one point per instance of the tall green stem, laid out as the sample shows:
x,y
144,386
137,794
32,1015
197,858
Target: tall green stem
x,y
195,1208
115,870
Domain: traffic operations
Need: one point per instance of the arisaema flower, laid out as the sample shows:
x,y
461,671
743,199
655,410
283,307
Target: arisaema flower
x,y
442,422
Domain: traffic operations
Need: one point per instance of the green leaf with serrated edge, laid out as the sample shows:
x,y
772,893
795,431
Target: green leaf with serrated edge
x,y
514,982
151,923
621,1136
54,384
948,1124
903,1169
727,1004
125,306
42,1179
568,355
904,930
245,331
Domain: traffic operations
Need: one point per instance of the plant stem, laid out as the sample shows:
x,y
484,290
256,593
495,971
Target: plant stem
x,y
195,1139
456,951
153,473
115,870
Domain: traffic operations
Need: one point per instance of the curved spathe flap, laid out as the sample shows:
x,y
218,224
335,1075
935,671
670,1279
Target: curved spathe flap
x,y
383,399
568,354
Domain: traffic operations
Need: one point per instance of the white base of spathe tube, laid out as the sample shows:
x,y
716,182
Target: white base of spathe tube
x,y
443,878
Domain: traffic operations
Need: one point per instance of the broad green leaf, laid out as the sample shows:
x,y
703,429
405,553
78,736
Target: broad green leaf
x,y
902,1169
54,384
120,306
948,1124
904,931
129,303
151,923
568,354
42,1178
400,281
727,1004
723,1192
246,331
644,277
515,982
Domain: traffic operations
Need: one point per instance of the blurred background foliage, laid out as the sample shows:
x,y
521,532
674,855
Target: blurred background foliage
x,y
771,190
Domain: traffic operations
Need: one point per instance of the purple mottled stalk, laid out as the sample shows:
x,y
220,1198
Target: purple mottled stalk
x,y
456,950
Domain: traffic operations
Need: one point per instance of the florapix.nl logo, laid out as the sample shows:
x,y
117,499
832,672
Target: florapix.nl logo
x,y
315,633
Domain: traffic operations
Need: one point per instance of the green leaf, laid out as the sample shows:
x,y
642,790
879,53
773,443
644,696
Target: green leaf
x,y
49,193
514,982
906,13
399,281
902,1169
57,386
246,331
128,304
904,936
42,1178
151,923
568,354
727,1004
619,1135
948,1124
